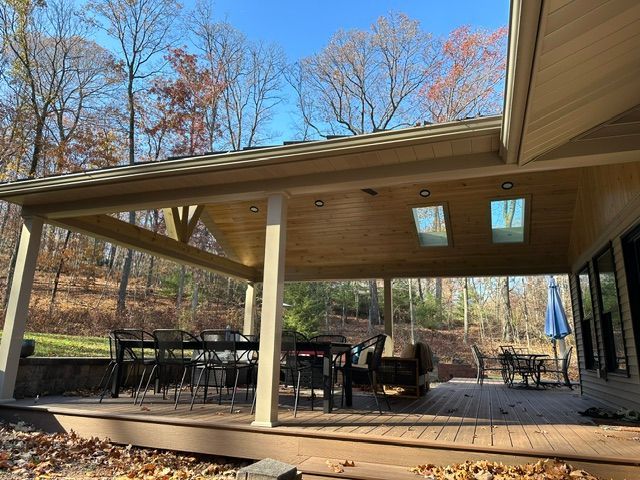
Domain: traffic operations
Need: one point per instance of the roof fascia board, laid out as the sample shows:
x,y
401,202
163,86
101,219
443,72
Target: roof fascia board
x,y
464,166
524,21
249,158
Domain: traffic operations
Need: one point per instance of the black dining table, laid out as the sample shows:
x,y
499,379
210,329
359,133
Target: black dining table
x,y
328,350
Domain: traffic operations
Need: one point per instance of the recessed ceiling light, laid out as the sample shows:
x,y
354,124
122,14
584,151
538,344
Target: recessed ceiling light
x,y
507,185
319,203
425,193
254,209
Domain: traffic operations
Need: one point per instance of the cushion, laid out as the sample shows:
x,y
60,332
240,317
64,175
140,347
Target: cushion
x,y
388,347
409,351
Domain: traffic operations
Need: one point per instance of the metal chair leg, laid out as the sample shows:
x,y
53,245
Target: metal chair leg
x,y
235,387
179,388
106,385
135,397
297,396
195,391
146,388
375,395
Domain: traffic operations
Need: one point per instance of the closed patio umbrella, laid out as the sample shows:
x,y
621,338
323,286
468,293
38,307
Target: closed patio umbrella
x,y
556,325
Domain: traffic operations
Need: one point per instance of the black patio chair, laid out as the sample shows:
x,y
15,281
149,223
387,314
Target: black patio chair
x,y
173,353
329,338
133,357
364,370
482,366
518,364
548,366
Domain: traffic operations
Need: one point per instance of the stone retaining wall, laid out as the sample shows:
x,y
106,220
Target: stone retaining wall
x,y
57,375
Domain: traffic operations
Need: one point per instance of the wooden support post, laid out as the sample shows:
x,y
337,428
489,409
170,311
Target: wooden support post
x,y
271,319
18,305
249,326
388,307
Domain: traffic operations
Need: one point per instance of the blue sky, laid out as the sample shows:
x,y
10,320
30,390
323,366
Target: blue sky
x,y
303,28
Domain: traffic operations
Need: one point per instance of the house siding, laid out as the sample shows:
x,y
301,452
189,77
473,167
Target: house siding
x,y
608,205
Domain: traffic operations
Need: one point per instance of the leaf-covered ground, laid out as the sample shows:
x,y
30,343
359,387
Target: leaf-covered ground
x,y
26,453
482,470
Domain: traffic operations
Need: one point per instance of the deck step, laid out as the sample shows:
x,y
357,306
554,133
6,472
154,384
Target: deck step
x,y
316,468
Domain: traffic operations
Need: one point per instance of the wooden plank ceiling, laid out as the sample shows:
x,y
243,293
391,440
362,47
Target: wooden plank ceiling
x,y
586,70
356,235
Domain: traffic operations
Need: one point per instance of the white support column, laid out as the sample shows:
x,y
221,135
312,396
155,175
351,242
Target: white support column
x,y
18,306
388,307
249,326
271,319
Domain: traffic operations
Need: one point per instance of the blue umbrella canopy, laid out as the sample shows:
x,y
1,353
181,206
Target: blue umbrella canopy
x,y
556,325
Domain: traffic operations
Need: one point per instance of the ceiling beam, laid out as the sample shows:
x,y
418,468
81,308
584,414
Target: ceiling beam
x,y
127,235
616,149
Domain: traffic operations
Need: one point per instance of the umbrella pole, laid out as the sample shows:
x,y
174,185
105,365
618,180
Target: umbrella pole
x,y
555,356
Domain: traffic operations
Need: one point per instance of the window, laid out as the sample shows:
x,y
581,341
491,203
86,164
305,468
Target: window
x,y
610,317
508,220
431,225
587,320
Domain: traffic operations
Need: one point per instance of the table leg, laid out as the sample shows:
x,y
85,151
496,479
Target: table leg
x,y
327,379
117,377
348,386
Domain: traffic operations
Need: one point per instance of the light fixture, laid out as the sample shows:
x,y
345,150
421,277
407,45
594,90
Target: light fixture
x,y
425,193
254,209
507,185
319,203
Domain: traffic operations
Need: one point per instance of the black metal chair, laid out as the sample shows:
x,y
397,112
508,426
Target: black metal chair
x,y
174,351
329,338
548,366
133,358
221,355
482,367
364,370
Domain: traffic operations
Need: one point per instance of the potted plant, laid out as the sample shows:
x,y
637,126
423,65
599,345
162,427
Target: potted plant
x,y
28,348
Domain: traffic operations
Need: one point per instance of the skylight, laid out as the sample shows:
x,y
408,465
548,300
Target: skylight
x,y
508,220
431,224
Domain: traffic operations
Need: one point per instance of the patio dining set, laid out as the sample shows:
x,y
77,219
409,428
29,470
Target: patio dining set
x,y
223,359
519,367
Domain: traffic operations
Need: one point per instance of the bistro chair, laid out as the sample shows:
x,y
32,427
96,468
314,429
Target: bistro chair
x,y
482,367
220,355
175,350
329,338
367,358
133,357
549,366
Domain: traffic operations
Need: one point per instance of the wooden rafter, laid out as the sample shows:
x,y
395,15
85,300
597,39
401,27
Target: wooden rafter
x,y
132,236
182,221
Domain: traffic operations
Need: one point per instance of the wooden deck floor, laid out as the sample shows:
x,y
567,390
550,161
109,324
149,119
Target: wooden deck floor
x,y
455,421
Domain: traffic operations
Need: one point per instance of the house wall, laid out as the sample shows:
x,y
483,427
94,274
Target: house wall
x,y
607,206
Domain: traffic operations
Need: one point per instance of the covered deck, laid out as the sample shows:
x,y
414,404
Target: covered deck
x,y
458,419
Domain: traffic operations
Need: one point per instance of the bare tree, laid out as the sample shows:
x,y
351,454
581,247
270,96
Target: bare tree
x,y
251,75
364,81
142,29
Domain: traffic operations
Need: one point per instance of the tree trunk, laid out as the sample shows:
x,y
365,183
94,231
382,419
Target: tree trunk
x,y
181,276
56,281
420,290
438,293
126,272
465,306
412,317
507,322
194,301
374,308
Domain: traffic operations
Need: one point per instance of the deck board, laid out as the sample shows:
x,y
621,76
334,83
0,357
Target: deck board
x,y
460,418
